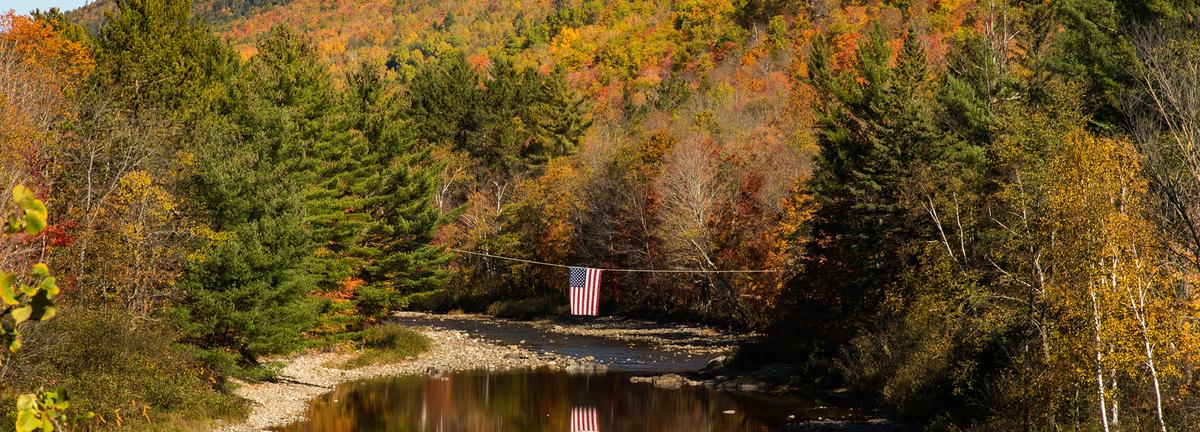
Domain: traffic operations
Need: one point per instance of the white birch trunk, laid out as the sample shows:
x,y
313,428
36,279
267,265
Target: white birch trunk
x,y
1099,361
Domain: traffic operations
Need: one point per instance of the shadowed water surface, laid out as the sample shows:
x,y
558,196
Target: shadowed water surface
x,y
542,401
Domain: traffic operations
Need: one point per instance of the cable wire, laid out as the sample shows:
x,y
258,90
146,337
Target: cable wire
x,y
614,269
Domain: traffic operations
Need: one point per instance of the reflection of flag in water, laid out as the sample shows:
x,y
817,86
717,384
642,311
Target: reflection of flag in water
x,y
584,420
585,290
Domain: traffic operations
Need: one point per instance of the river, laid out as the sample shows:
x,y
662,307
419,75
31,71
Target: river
x,y
540,400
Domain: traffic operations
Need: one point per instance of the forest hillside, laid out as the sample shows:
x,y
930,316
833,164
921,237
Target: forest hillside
x,y
974,214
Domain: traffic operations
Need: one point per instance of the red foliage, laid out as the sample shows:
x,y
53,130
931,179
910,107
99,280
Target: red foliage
x,y
62,234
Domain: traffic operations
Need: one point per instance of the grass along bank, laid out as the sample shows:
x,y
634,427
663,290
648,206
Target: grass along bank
x,y
388,343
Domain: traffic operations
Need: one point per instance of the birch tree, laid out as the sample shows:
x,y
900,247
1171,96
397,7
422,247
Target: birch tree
x,y
1104,248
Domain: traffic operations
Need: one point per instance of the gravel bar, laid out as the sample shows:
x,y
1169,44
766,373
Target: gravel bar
x,y
305,376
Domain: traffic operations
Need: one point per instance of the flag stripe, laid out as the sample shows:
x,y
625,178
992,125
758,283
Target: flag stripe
x,y
584,290
584,420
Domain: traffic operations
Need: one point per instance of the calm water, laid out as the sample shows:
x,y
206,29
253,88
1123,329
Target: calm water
x,y
542,401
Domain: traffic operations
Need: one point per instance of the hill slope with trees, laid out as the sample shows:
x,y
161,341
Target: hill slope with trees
x,y
982,213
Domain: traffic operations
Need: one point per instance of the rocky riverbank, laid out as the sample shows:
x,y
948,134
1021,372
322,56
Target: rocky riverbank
x,y
689,339
680,338
308,375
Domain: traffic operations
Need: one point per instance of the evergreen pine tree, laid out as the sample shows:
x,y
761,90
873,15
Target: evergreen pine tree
x,y
513,121
879,133
399,197
277,189
316,141
153,54
857,180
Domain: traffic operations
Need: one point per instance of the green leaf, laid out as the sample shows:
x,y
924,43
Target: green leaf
x,y
15,345
34,223
27,421
23,196
49,286
22,314
26,402
47,313
8,295
13,225
43,307
41,270
35,210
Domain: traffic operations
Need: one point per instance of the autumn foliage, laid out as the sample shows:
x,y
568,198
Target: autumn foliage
x,y
975,215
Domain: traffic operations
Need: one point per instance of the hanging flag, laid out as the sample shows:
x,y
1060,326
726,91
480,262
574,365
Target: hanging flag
x,y
584,419
585,291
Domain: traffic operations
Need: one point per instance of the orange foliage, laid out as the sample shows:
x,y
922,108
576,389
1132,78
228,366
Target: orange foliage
x,y
345,291
39,69
479,61
44,51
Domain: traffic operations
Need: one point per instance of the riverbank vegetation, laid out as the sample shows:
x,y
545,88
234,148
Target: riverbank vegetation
x,y
388,343
982,213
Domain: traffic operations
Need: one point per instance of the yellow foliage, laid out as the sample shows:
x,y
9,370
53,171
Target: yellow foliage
x,y
134,249
1114,296
570,49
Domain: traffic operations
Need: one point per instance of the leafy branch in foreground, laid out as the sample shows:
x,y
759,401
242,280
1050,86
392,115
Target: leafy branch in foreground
x,y
30,298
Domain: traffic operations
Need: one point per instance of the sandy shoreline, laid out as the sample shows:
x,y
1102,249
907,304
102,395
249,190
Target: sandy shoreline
x,y
305,376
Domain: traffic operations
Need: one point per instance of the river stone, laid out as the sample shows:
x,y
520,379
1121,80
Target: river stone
x,y
718,362
669,381
747,387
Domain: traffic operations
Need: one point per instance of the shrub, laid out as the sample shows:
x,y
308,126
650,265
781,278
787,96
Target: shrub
x,y
528,308
116,364
389,343
428,301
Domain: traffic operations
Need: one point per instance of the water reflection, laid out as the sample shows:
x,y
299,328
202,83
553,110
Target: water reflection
x,y
585,420
535,401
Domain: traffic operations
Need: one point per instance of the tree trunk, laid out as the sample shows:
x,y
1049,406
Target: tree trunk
x,y
1099,362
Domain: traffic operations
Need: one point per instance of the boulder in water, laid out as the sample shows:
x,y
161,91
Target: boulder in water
x,y
669,381
717,363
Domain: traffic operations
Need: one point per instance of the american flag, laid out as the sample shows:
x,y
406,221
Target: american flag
x,y
585,291
584,420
